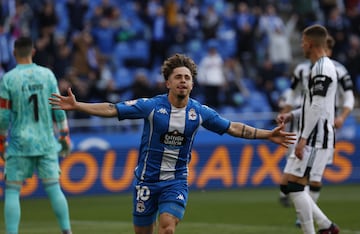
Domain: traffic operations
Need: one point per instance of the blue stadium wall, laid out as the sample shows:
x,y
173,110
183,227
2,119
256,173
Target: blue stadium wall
x,y
104,163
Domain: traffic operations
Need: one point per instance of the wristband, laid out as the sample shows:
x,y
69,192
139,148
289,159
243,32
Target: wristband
x,y
64,133
2,139
2,143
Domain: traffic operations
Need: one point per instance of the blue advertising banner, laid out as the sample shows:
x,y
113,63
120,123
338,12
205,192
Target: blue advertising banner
x,y
104,164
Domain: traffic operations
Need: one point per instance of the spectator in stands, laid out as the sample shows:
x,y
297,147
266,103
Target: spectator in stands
x,y
279,47
307,13
62,57
352,63
181,34
45,49
105,36
210,22
95,17
339,27
159,40
107,8
101,83
235,89
7,9
246,23
80,86
353,15
20,22
191,11
171,10
6,61
269,21
326,6
47,18
141,87
211,76
85,52
76,10
265,82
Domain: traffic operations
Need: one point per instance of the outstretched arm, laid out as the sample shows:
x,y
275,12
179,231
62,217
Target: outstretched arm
x,y
70,103
276,135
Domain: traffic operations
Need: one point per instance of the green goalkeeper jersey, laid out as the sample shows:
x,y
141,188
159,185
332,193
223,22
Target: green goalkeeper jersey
x,y
29,119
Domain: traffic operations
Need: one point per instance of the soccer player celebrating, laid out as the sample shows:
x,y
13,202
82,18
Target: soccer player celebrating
x,y
315,146
170,124
27,117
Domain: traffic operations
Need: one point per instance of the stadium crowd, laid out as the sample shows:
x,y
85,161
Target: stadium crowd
x,y
111,50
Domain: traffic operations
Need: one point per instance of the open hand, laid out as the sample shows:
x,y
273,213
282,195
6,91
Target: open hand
x,y
279,136
63,102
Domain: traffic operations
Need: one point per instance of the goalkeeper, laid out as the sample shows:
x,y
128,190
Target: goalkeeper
x,y
29,129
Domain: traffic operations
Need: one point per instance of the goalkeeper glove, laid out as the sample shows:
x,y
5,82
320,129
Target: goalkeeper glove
x,y
65,143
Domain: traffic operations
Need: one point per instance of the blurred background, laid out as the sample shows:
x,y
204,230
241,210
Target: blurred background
x,y
112,50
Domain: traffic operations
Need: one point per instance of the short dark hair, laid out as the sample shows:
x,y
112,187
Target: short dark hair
x,y
178,60
317,33
23,46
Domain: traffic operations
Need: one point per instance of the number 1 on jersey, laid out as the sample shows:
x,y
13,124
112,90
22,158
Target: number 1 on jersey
x,y
34,98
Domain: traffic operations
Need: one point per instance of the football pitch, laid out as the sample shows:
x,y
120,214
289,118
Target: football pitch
x,y
239,211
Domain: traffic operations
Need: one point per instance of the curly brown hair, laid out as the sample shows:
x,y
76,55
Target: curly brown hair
x,y
178,60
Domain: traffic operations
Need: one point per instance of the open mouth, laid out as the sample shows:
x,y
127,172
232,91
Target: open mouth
x,y
182,87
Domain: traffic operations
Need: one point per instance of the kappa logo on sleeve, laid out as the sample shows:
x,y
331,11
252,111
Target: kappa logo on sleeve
x,y
162,111
130,102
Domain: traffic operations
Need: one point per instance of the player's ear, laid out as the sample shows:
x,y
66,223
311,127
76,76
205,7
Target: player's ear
x,y
33,51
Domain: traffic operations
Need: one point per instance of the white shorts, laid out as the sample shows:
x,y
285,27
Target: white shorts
x,y
314,158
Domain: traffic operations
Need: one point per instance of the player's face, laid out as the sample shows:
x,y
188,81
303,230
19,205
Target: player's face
x,y
306,45
180,82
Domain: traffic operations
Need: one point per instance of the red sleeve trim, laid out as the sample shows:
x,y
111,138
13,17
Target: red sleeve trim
x,y
5,104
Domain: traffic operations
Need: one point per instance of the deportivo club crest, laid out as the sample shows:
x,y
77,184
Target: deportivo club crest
x,y
192,114
140,207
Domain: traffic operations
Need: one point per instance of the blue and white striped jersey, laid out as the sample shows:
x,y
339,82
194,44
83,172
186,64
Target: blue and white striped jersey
x,y
168,134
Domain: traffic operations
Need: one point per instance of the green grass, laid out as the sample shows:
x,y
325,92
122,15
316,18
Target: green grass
x,y
242,211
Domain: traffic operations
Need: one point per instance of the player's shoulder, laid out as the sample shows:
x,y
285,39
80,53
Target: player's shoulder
x,y
43,69
148,102
195,103
326,61
199,107
324,64
159,99
6,78
339,66
10,73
